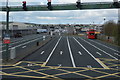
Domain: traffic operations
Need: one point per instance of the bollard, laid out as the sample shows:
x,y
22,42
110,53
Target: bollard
x,y
37,43
12,53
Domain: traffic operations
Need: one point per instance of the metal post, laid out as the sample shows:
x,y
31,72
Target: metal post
x,y
7,32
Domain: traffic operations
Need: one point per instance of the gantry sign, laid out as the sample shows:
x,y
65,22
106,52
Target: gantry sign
x,y
76,6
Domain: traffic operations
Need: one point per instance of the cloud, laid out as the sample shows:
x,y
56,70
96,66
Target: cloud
x,y
49,18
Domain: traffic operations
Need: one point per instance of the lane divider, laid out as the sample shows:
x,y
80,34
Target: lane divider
x,y
51,52
73,62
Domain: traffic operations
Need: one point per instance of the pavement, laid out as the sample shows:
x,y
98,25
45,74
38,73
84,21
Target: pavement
x,y
68,57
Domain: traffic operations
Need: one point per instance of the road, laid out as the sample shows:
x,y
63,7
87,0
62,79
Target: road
x,y
70,57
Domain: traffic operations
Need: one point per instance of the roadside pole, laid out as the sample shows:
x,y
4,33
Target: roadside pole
x,y
7,33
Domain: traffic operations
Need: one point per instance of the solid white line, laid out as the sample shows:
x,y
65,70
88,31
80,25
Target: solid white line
x,y
52,51
98,53
42,52
99,49
105,46
79,52
73,62
88,52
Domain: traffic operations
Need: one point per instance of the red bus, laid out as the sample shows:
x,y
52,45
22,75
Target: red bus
x,y
91,34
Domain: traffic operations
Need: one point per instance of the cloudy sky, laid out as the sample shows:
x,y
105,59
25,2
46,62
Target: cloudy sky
x,y
59,17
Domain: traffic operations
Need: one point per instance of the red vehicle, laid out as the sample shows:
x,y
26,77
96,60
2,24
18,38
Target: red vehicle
x,y
91,34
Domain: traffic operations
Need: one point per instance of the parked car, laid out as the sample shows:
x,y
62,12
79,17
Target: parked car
x,y
18,35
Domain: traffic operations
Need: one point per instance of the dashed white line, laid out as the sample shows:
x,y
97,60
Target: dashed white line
x,y
24,46
79,52
98,53
61,52
59,65
89,66
73,62
42,52
117,54
99,49
88,52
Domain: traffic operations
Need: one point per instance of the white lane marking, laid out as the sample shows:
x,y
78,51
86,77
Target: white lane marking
x,y
88,52
79,52
99,49
52,51
42,52
59,65
98,53
89,66
24,46
73,62
105,46
117,54
61,52
30,64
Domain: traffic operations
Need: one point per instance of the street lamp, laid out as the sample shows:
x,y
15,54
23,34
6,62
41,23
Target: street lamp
x,y
104,26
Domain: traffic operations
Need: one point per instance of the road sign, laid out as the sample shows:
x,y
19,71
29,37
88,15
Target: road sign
x,y
6,39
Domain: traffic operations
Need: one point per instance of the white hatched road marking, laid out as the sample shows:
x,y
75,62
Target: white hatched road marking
x,y
99,49
105,46
98,53
88,52
117,54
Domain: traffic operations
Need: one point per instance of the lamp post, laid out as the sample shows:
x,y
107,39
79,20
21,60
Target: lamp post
x,y
104,26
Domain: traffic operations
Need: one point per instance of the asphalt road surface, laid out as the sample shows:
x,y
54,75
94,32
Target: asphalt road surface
x,y
69,57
